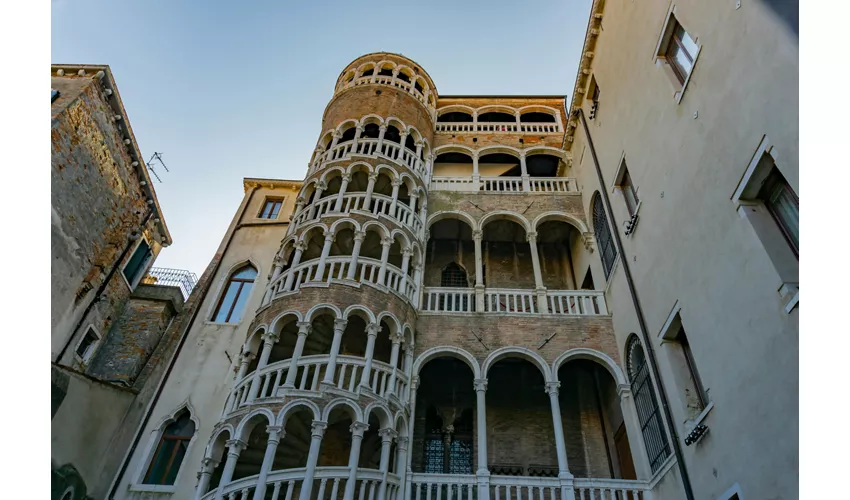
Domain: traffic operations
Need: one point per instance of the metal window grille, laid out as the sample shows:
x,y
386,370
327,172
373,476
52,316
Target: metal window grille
x,y
649,414
454,276
607,251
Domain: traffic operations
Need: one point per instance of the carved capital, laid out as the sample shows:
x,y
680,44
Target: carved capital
x,y
373,176
402,442
358,428
301,245
478,234
359,235
386,241
300,200
588,240
414,382
624,391
304,327
552,387
346,177
480,385
387,434
270,337
329,235
382,128
340,324
321,186
396,182
235,446
372,329
408,251
531,236
317,430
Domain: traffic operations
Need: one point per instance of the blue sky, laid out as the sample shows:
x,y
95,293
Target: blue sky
x,y
227,90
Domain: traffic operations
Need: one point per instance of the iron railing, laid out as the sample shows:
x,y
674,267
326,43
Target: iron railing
x,y
163,276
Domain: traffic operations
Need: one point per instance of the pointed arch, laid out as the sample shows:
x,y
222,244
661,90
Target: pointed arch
x,y
234,292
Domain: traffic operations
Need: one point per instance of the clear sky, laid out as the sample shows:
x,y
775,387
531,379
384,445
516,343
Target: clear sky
x,y
227,90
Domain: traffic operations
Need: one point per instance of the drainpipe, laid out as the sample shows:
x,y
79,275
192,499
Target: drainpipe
x,y
102,287
201,294
650,351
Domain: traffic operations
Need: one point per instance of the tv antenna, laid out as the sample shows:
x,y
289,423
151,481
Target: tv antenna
x,y
158,157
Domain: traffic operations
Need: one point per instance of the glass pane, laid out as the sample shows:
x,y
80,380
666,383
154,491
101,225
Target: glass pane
x,y
785,207
266,210
137,262
229,297
434,456
275,210
240,303
88,340
160,462
183,427
688,43
680,59
171,473
247,272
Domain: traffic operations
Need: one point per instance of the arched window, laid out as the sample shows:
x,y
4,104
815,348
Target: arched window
x,y
454,276
170,450
236,294
643,391
607,251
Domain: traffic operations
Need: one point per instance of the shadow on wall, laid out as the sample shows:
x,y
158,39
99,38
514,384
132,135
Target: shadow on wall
x,y
66,483
788,12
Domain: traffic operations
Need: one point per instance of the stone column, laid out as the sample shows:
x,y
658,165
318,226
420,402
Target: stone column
x,y
396,340
278,268
481,425
346,178
476,176
396,185
414,384
299,206
408,370
423,214
207,468
276,433
401,464
330,371
387,436
372,333
414,197
417,282
300,246
326,250
336,137
643,468
401,148
381,131
429,163
386,243
357,430
317,196
357,132
367,200
269,339
318,430
234,448
359,236
304,328
526,183
540,290
244,360
564,475
419,163
477,236
407,253
518,123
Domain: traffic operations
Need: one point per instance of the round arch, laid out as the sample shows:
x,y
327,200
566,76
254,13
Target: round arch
x,y
517,352
320,308
456,108
454,148
451,214
277,322
449,352
210,451
346,221
591,355
385,416
496,149
505,215
355,413
365,314
395,324
572,220
246,425
290,408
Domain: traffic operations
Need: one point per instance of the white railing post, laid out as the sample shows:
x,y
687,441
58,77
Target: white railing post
x,y
476,175
330,370
346,178
300,246
318,430
385,254
304,328
372,333
234,448
357,430
276,433
326,250
387,436
359,236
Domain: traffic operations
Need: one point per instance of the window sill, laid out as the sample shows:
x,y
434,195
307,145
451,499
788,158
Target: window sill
x,y
691,424
219,323
153,488
790,293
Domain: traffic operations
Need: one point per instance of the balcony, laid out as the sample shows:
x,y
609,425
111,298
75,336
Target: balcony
x,y
379,205
467,487
374,148
505,184
499,128
500,300
180,278
328,482
347,378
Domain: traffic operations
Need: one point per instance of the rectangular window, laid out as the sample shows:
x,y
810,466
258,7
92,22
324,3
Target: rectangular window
x,y
138,263
86,346
628,188
271,208
681,51
783,205
701,394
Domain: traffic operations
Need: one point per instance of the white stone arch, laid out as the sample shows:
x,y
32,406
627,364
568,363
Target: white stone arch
x,y
254,341
345,125
292,406
312,227
288,243
382,64
385,416
455,148
456,108
335,227
545,150
505,215
277,323
211,451
517,352
381,229
325,139
539,108
355,413
401,424
451,214
415,133
397,123
447,351
346,78
408,334
408,181
359,165
398,234
320,308
371,118
592,355
246,425
408,72
572,220
496,108
363,67
392,320
326,178
308,188
499,148
359,310
383,168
